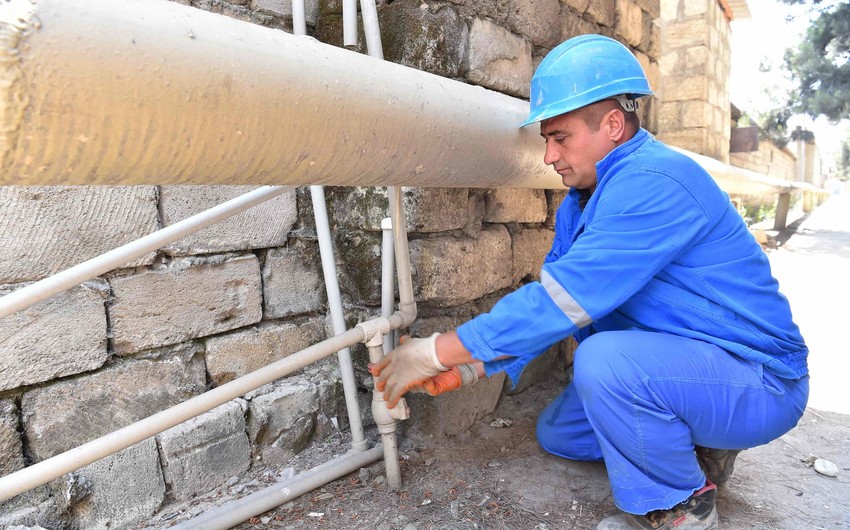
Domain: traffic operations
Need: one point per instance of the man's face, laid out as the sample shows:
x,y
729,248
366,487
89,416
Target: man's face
x,y
573,149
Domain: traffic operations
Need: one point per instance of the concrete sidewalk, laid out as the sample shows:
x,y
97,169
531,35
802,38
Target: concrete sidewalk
x,y
812,265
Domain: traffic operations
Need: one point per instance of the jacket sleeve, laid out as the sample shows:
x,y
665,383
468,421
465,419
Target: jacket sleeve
x,y
642,222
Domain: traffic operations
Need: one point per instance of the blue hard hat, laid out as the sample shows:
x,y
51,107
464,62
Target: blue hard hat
x,y
581,71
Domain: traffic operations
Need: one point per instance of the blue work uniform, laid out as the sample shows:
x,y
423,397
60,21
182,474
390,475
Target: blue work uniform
x,y
684,337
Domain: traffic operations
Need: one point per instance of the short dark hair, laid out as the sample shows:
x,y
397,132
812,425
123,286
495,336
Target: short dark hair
x,y
592,114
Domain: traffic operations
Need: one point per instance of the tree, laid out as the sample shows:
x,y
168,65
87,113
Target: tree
x,y
820,65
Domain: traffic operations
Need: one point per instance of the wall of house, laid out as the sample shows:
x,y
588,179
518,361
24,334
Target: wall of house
x,y
694,112
223,302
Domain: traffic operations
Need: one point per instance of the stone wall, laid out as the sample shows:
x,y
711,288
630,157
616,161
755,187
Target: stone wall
x,y
770,160
216,305
695,66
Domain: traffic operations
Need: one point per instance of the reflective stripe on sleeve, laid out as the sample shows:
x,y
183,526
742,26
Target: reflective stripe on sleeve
x,y
564,301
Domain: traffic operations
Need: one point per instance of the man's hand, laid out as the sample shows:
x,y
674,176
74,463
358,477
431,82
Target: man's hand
x,y
409,365
463,375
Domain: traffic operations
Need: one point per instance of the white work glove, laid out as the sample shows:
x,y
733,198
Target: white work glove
x,y
409,365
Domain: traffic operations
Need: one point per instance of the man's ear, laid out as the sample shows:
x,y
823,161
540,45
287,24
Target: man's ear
x,y
614,124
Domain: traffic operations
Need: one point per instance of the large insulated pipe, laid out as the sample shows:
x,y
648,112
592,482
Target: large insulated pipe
x,y
155,92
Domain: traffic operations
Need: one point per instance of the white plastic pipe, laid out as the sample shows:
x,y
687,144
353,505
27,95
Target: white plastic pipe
x,y
369,12
349,23
33,293
54,467
323,233
402,252
346,368
161,93
231,514
299,18
387,278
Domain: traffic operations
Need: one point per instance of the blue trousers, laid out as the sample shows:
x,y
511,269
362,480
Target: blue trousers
x,y
640,401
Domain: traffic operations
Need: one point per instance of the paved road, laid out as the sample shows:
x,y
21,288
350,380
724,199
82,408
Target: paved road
x,y
813,268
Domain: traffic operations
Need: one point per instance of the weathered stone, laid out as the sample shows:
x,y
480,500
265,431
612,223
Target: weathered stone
x,y
602,12
533,19
292,280
32,507
429,41
235,354
630,22
498,59
685,88
579,5
530,247
453,412
441,266
283,8
553,364
72,412
573,25
426,209
44,230
264,225
491,9
685,34
125,489
281,419
515,205
554,199
11,451
189,298
204,452
62,335
360,277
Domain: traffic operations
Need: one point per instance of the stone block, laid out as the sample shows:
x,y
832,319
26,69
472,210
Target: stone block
x,y
454,412
235,354
71,412
189,298
62,335
441,266
553,364
204,452
697,8
281,419
554,199
429,40
573,25
602,12
579,5
264,225
292,280
530,247
630,22
685,34
360,277
690,139
514,205
426,209
11,450
692,87
498,59
121,490
696,114
47,229
533,19
283,8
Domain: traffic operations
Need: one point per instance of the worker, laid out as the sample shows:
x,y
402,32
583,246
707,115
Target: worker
x,y
687,350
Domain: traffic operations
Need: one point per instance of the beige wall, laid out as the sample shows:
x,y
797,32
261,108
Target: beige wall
x,y
694,112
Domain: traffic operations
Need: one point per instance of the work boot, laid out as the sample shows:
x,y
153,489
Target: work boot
x,y
695,513
717,464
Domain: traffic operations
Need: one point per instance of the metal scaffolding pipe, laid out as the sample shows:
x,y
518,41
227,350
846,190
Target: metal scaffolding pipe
x,y
161,93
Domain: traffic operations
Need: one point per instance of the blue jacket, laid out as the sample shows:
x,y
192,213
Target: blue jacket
x,y
658,247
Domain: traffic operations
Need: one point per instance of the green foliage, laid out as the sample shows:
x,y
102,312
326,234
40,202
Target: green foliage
x,y
820,66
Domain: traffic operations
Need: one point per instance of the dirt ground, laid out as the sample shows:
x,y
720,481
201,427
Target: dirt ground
x,y
496,477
